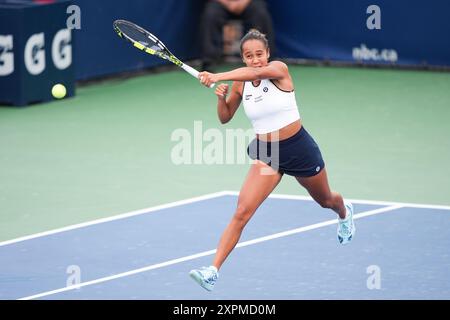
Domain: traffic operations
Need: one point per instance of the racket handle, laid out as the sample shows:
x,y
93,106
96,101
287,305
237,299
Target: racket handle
x,y
193,72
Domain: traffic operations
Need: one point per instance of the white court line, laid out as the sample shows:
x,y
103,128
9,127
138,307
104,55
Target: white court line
x,y
201,198
371,202
209,252
116,217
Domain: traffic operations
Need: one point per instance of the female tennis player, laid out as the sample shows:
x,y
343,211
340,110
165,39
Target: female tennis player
x,y
282,145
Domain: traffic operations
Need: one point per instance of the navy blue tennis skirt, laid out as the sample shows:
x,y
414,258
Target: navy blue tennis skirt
x,y
298,156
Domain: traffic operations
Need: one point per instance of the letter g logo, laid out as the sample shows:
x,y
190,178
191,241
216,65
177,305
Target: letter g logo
x,y
35,54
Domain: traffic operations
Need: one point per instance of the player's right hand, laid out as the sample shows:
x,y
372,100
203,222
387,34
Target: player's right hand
x,y
222,91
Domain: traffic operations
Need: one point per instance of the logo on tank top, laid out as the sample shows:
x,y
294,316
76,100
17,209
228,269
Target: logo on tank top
x,y
247,96
265,89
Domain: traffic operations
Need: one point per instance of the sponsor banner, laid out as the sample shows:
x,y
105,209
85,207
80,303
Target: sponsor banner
x,y
35,52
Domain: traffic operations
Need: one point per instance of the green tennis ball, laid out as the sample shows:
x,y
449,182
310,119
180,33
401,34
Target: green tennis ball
x,y
59,91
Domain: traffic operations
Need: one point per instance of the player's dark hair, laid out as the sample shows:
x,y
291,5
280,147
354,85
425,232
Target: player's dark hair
x,y
254,34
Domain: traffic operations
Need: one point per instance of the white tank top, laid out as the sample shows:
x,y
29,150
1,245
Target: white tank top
x,y
268,107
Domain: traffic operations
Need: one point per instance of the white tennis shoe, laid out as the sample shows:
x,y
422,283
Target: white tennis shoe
x,y
346,227
206,276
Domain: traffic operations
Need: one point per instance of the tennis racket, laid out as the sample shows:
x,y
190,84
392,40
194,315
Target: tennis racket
x,y
149,43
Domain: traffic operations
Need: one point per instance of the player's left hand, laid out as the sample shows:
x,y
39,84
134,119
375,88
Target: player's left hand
x,y
207,78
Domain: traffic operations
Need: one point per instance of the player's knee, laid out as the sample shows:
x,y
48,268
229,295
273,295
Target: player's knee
x,y
242,214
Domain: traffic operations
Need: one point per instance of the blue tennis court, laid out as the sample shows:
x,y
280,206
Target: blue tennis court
x,y
288,251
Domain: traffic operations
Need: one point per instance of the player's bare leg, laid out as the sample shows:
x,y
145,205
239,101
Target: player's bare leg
x,y
256,188
319,190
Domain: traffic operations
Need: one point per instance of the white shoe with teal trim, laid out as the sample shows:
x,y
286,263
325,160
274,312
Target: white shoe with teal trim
x,y
206,277
346,227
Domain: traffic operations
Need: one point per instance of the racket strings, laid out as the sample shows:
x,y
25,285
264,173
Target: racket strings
x,y
145,38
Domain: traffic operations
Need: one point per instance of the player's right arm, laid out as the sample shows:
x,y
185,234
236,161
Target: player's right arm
x,y
227,106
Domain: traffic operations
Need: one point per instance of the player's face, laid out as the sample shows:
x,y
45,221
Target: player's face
x,y
255,54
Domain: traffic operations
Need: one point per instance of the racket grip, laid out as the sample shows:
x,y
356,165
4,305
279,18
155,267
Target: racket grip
x,y
193,72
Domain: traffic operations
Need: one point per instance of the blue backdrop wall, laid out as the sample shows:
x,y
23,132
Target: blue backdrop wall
x,y
413,32
99,51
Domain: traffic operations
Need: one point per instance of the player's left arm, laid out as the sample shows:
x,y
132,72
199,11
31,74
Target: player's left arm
x,y
276,70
